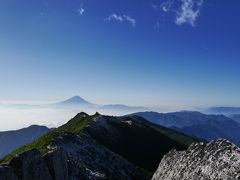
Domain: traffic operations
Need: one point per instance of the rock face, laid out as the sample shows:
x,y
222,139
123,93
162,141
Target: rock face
x,y
90,160
218,159
71,157
135,139
30,165
7,173
57,163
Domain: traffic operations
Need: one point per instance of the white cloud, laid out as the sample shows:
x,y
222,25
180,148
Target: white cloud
x,y
154,6
121,18
130,19
81,11
115,17
186,11
189,12
157,25
167,5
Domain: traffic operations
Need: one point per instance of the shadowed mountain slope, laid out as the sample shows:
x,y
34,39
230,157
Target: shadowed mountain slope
x,y
200,125
11,140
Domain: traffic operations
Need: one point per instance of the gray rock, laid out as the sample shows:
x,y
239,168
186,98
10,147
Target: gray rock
x,y
88,159
218,159
30,165
57,163
71,157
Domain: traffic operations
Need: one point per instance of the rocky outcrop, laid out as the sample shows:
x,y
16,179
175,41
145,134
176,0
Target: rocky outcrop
x,y
218,159
71,157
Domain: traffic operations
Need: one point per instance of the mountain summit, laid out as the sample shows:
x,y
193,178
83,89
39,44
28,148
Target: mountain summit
x,y
75,100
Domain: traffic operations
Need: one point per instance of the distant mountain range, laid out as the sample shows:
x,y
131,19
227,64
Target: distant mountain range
x,y
78,101
235,117
11,140
177,119
223,110
200,125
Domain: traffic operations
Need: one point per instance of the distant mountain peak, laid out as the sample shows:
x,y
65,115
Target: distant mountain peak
x,y
75,100
97,114
189,112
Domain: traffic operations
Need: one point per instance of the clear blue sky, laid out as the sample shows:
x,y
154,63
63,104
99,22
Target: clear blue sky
x,y
138,52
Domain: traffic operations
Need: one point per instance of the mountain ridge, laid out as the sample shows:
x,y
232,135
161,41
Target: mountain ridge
x,y
224,110
197,124
130,138
11,140
235,117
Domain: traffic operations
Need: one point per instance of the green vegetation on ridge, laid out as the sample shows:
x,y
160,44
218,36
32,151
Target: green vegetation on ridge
x,y
132,137
75,125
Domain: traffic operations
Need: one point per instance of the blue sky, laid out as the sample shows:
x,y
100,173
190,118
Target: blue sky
x,y
179,53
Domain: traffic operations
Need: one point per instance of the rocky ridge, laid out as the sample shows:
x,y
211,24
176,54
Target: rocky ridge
x,y
70,157
94,147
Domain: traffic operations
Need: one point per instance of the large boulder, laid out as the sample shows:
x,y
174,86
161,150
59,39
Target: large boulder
x,y
218,159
